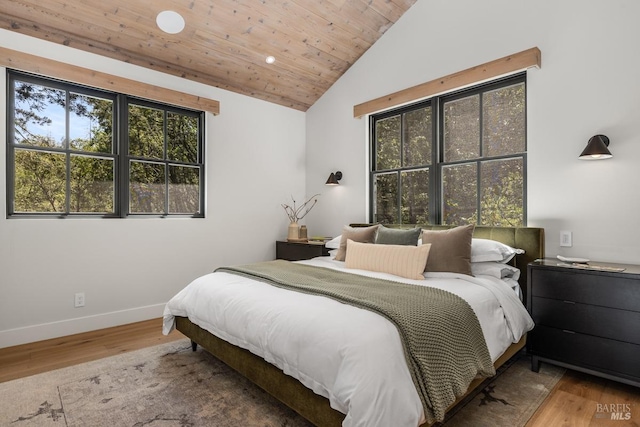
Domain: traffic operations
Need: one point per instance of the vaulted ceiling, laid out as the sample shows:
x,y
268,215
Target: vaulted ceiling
x,y
224,42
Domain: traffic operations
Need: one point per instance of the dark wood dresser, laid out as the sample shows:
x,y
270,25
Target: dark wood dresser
x,y
587,319
294,251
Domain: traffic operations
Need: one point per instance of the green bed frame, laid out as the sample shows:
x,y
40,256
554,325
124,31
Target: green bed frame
x,y
316,408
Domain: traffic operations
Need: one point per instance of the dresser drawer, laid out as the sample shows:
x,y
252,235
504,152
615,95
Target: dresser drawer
x,y
622,325
588,288
601,354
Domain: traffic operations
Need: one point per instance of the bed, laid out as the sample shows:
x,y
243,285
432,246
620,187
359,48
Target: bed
x,y
301,398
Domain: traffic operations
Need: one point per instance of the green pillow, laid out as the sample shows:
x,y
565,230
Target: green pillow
x,y
396,236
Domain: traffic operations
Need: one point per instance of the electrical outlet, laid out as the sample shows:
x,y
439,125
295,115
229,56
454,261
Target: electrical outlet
x,y
565,239
79,300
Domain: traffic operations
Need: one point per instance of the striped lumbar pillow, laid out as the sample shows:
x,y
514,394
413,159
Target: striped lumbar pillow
x,y
400,260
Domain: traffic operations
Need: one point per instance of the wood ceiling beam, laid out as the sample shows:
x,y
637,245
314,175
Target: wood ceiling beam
x,y
500,67
59,70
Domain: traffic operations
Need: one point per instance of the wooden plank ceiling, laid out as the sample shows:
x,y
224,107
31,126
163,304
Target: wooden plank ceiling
x,y
224,42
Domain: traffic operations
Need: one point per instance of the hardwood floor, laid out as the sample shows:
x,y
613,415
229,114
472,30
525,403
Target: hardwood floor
x,y
577,400
29,359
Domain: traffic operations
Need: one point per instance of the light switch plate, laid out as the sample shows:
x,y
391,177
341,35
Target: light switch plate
x,y
566,239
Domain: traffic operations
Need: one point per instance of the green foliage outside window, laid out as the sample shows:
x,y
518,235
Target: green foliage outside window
x,y
474,174
64,156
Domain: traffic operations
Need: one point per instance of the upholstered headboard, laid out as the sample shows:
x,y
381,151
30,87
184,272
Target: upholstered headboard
x,y
529,239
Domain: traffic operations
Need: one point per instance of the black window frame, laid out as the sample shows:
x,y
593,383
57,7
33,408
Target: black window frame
x,y
119,154
437,103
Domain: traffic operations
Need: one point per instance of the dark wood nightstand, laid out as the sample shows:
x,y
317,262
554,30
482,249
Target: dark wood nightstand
x,y
294,251
586,319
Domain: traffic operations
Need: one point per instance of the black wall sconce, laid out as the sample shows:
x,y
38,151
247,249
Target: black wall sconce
x,y
596,149
334,178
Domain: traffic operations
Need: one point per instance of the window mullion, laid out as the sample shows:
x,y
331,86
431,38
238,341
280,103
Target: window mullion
x,y
403,136
524,192
11,143
201,160
437,156
481,121
479,163
166,188
399,196
123,155
479,190
166,161
67,148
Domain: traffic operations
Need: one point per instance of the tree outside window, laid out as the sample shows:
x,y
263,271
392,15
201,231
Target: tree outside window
x,y
474,174
66,157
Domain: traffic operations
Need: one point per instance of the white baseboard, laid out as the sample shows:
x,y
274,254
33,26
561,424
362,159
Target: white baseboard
x,y
45,331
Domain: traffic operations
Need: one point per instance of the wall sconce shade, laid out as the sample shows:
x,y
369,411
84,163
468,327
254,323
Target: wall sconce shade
x,y
596,149
334,178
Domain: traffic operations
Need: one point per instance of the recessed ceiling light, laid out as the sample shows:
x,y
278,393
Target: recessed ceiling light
x,y
270,59
170,22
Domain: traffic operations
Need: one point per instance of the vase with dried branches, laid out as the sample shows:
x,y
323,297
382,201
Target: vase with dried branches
x,y
296,213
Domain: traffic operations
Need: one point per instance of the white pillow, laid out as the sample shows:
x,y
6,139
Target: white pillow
x,y
400,260
495,269
483,250
334,243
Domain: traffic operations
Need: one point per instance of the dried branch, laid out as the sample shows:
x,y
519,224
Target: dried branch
x,y
295,213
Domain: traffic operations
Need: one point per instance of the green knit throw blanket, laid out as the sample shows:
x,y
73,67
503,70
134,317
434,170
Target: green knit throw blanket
x,y
443,342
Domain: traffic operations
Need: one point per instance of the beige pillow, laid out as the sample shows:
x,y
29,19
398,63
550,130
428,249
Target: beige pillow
x,y
401,260
450,249
357,234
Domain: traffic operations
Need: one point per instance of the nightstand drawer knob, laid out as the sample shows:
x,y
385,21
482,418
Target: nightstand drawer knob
x,y
567,331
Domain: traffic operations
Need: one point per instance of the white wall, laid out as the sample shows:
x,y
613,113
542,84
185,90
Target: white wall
x,y
588,84
128,268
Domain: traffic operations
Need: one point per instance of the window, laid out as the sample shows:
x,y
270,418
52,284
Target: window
x,y
455,159
165,168
74,150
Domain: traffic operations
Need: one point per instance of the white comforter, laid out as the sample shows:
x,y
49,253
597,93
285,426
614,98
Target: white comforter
x,y
351,356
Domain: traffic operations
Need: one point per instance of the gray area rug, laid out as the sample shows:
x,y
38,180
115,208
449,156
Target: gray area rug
x,y
508,399
169,385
